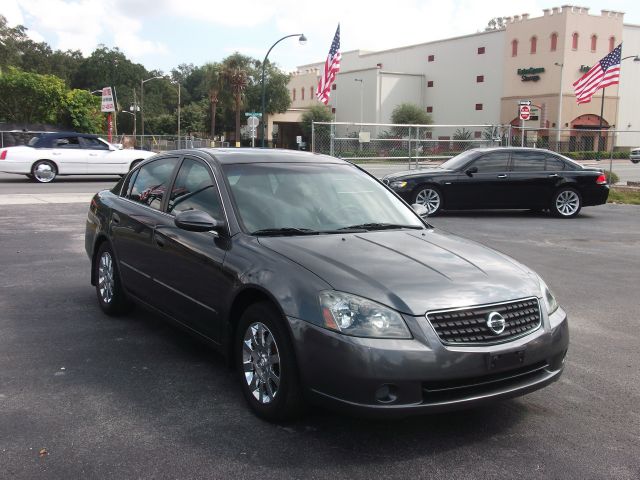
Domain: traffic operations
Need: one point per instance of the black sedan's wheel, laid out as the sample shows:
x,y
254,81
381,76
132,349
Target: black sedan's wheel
x,y
111,296
44,171
430,197
266,364
566,203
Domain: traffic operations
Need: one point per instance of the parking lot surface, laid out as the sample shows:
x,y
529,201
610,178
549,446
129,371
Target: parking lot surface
x,y
83,395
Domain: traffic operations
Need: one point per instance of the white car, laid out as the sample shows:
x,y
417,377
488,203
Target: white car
x,y
53,154
634,156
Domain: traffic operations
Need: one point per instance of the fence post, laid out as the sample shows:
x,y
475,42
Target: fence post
x,y
417,144
2,138
509,136
313,137
409,148
332,132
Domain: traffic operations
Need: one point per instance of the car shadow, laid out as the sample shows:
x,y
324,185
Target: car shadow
x,y
520,214
17,179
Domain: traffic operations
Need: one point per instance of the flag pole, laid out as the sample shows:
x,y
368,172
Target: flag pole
x,y
600,125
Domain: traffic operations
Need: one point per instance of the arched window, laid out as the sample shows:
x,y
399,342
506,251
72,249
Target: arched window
x,y
554,42
594,42
302,93
293,94
612,43
534,44
514,48
574,41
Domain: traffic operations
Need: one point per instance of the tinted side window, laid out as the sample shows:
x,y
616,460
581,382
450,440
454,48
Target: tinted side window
x,y
194,189
151,182
527,161
93,144
492,162
67,142
554,164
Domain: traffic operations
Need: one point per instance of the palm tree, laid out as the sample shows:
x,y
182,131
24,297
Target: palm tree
x,y
213,83
237,78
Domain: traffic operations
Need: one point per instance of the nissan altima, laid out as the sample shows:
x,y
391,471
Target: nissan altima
x,y
320,285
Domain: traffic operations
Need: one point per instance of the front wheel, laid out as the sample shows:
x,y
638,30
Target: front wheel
x,y
430,197
44,171
566,203
635,161
266,364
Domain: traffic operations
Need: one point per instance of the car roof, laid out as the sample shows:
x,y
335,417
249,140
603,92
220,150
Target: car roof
x,y
268,155
67,134
510,149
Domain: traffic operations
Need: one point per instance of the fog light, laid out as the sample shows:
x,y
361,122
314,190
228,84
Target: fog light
x,y
387,393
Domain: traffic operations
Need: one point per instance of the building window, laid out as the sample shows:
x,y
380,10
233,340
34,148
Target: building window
x,y
612,43
302,93
478,106
477,134
480,50
594,42
293,94
430,83
514,48
480,79
429,109
554,42
534,44
574,40
431,58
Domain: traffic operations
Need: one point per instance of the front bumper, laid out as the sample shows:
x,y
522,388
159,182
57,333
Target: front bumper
x,y
384,377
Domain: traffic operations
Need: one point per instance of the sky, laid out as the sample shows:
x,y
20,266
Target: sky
x,y
162,34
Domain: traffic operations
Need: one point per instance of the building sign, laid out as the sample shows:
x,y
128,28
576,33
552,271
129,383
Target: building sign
x,y
530,74
108,105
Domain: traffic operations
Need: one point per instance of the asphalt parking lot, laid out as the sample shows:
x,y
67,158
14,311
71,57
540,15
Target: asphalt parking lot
x,y
87,396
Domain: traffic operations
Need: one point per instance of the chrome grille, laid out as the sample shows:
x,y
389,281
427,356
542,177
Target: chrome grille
x,y
468,326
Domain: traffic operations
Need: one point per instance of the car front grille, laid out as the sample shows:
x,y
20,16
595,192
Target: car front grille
x,y
469,326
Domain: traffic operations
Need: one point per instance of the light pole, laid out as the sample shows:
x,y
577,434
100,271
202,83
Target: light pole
x,y
142,82
178,83
302,40
134,120
558,124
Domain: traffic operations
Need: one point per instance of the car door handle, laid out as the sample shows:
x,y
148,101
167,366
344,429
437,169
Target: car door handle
x,y
57,153
115,218
93,154
502,176
159,241
553,175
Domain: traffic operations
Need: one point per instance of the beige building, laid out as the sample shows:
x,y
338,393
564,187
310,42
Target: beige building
x,y
480,78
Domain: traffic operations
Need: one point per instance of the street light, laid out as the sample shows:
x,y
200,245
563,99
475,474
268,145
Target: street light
x,y
561,65
302,40
133,114
178,83
142,82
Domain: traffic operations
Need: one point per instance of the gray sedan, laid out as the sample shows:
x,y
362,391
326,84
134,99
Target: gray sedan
x,y
321,285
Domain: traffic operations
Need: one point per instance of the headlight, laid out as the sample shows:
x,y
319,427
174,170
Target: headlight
x,y
549,299
360,317
398,184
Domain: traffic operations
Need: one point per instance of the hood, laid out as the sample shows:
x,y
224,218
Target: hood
x,y
408,271
423,172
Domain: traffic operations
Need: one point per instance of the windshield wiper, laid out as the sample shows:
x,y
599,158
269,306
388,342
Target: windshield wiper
x,y
380,226
285,231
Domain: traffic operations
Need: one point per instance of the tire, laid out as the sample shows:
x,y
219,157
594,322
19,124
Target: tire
x,y
429,196
266,364
566,203
111,297
44,171
635,161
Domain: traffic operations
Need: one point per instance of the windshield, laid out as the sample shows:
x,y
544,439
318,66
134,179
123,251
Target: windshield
x,y
459,161
313,198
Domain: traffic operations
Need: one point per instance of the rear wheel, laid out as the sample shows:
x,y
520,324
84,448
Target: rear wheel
x,y
429,196
266,364
44,171
111,296
566,203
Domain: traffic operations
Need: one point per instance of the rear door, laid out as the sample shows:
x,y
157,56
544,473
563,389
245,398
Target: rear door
x,y
133,221
530,185
68,156
191,271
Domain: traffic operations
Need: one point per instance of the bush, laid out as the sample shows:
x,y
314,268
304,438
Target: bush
x,y
612,178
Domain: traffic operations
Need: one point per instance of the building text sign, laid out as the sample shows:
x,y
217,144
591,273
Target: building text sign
x,y
531,74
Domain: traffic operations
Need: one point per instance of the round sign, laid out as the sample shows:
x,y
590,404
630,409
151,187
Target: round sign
x,y
253,121
525,112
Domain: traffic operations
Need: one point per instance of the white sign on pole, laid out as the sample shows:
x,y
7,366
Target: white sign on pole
x,y
298,139
253,121
108,105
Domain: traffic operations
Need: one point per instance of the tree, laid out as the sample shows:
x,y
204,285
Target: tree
x,y
30,97
317,113
497,23
213,83
463,137
193,116
81,112
409,114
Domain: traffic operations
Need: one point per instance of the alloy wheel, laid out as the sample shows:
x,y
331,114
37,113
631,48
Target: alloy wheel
x,y
261,362
44,172
105,278
567,203
430,198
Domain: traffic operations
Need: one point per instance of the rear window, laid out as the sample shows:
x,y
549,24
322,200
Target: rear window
x,y
151,182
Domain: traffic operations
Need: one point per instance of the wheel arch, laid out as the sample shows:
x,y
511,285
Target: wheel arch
x,y
55,164
100,239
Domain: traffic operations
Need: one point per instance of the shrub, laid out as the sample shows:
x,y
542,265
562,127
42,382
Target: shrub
x,y
612,177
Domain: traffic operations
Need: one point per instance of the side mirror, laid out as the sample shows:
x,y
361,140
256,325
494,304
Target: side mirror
x,y
198,221
420,209
471,171
112,147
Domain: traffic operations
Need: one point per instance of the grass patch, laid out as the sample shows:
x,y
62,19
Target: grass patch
x,y
631,197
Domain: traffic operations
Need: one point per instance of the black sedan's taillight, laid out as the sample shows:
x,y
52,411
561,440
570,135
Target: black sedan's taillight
x,y
602,179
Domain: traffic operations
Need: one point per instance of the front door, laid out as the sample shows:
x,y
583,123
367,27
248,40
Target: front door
x,y
97,153
192,272
485,188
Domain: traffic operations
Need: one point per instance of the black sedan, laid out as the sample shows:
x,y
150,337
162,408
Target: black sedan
x,y
504,178
320,284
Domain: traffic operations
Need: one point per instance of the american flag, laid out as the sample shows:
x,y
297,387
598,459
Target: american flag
x,y
604,73
331,69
